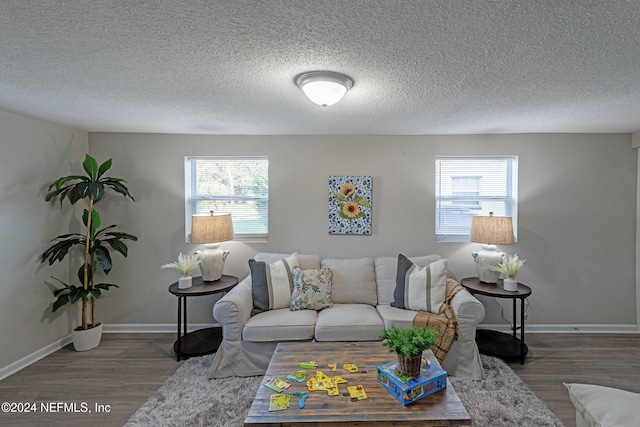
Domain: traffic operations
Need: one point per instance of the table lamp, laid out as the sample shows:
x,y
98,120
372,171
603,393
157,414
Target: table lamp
x,y
490,231
211,229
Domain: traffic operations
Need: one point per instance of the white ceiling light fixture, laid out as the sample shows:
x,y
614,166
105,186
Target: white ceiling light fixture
x,y
324,87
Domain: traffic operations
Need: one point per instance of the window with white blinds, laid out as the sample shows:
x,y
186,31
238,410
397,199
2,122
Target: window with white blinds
x,y
235,185
468,186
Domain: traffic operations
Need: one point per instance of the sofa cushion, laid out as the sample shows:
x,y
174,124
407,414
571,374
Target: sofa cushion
x,y
353,281
271,283
604,406
349,322
392,316
311,289
420,288
280,325
386,269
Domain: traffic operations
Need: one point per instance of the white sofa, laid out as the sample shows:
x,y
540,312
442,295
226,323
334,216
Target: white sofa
x,y
361,290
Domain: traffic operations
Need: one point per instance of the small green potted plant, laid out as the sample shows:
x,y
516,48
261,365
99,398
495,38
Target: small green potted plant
x,y
409,344
184,265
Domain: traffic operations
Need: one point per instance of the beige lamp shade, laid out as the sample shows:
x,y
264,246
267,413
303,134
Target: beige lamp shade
x,y
211,228
492,230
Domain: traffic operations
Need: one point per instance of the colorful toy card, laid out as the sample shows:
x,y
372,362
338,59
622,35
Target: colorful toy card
x,y
279,402
323,382
351,367
308,365
276,384
357,392
297,377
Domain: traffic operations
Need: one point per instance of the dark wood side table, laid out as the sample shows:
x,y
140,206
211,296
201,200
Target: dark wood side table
x,y
203,341
494,343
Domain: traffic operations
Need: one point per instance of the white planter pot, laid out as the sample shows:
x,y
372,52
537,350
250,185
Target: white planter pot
x,y
510,285
86,339
185,282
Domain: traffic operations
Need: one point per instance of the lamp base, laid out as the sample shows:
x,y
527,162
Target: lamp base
x,y
212,262
488,256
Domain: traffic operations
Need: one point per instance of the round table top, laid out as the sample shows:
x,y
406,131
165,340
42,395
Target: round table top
x,y
201,287
474,285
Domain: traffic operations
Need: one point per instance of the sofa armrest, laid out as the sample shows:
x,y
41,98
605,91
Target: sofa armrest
x,y
467,308
234,310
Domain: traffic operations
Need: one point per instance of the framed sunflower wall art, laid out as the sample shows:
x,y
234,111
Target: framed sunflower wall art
x,y
350,204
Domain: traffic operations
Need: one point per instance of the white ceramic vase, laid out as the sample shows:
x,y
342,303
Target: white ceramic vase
x,y
487,257
185,282
510,284
212,260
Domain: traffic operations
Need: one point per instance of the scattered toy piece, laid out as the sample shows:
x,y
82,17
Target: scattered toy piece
x,y
276,384
338,380
279,402
298,377
333,366
351,367
308,365
323,382
303,396
357,392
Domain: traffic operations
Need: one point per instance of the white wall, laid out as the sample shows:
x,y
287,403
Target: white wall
x,y
577,215
34,154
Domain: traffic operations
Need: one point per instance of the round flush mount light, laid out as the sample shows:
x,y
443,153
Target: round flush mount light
x,y
324,87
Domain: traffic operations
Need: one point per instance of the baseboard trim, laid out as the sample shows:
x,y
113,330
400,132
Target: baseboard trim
x,y
161,328
29,359
565,329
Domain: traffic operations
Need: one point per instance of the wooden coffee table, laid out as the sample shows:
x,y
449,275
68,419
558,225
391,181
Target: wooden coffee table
x,y
442,408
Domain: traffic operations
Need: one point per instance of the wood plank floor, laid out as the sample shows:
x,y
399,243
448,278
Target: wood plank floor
x,y
611,360
122,372
127,368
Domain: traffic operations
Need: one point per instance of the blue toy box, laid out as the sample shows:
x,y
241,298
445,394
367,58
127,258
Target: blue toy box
x,y
407,390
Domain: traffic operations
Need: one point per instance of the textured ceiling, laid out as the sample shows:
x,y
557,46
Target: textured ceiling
x,y
419,67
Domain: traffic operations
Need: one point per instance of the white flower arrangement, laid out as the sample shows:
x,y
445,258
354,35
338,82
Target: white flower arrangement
x,y
185,264
509,267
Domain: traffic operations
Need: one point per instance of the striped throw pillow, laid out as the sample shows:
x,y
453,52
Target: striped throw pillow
x,y
272,284
420,288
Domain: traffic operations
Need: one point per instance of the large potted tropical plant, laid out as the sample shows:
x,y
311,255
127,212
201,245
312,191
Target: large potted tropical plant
x,y
95,243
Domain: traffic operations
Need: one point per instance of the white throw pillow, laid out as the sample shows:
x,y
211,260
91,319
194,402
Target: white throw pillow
x,y
601,406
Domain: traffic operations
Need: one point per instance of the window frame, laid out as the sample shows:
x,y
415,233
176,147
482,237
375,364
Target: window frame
x,y
510,198
189,180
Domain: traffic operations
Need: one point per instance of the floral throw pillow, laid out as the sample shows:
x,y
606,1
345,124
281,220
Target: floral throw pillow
x,y
311,289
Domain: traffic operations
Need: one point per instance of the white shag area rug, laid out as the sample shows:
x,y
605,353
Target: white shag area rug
x,y
190,398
